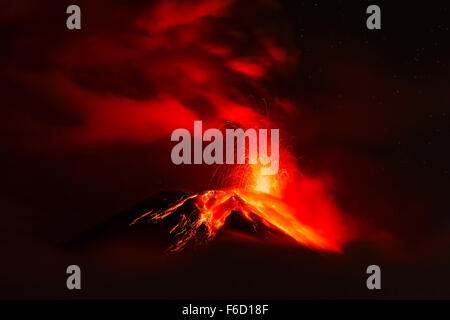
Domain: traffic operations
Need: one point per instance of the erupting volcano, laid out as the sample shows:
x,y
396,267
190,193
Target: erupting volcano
x,y
182,62
288,201
299,210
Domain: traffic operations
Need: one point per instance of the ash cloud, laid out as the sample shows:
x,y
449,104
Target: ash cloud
x,y
158,68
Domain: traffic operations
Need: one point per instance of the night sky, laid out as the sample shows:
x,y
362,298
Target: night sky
x,y
85,135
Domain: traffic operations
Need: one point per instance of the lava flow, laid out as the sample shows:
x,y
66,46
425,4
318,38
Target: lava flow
x,y
299,210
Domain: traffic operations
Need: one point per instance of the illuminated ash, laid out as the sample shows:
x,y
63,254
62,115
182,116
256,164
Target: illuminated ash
x,y
260,202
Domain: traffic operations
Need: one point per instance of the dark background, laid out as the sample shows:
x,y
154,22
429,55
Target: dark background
x,y
372,110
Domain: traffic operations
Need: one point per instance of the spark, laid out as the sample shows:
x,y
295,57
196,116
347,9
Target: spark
x,y
259,198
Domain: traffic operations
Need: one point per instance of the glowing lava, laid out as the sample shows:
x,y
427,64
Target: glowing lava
x,y
262,199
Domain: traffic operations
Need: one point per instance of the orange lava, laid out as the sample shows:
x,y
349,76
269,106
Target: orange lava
x,y
304,213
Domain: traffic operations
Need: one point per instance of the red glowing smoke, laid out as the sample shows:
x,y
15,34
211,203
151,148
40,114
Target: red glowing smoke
x,y
180,61
214,74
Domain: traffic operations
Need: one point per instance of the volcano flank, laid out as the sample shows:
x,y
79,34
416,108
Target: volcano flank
x,y
130,225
